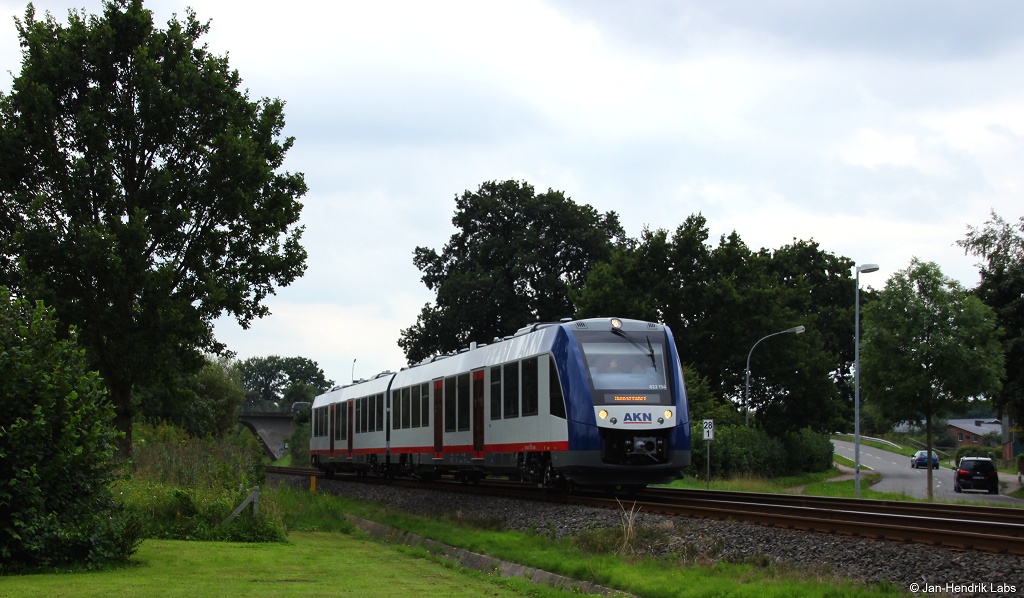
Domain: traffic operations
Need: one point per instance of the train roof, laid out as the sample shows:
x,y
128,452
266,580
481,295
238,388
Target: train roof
x,y
528,341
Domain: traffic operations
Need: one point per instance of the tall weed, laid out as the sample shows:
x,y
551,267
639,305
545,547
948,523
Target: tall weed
x,y
184,487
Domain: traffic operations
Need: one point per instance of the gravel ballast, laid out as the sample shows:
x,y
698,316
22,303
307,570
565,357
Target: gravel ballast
x,y
705,541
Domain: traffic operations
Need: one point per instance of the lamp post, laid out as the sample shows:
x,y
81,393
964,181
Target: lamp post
x,y
746,394
865,268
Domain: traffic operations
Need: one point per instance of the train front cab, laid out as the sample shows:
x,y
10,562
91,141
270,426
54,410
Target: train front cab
x,y
626,404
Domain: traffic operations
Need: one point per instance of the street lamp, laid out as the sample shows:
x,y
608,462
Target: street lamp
x,y
865,268
746,395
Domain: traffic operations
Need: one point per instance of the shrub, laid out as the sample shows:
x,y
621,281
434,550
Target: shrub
x,y
739,450
56,449
168,454
977,451
185,487
808,451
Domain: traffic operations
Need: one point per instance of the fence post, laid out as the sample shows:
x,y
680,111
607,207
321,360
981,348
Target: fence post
x,y
254,498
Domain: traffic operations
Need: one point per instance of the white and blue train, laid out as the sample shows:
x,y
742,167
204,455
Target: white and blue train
x,y
595,402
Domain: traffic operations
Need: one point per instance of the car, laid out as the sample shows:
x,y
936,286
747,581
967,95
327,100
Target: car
x,y
920,459
976,473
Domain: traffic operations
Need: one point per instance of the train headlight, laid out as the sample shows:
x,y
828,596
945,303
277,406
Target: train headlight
x,y
668,414
603,414
616,324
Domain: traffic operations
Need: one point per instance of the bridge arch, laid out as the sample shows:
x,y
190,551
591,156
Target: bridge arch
x,y
272,429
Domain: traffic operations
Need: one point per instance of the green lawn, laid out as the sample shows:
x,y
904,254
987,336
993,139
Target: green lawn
x,y
311,564
335,561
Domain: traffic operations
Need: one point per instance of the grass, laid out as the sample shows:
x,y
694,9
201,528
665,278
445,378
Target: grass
x,y
601,556
758,484
310,564
335,560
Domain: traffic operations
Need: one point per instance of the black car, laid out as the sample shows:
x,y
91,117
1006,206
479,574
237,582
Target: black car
x,y
976,473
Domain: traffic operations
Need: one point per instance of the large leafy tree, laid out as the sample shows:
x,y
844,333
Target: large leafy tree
x,y
141,191
204,403
514,258
1001,246
270,380
720,300
929,347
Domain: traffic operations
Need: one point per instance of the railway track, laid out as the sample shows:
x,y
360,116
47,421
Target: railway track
x,y
968,527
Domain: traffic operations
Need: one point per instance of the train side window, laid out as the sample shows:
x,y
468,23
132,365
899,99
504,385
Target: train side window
x,y
530,390
406,400
450,412
416,409
463,402
371,418
359,416
380,412
344,420
496,392
391,410
337,420
425,397
555,390
511,389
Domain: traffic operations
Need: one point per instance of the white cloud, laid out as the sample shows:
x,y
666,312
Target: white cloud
x,y
879,129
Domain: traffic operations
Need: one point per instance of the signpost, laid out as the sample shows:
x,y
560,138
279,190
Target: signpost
x,y
709,435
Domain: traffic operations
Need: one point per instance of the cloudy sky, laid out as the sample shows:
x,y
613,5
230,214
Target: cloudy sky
x,y
879,129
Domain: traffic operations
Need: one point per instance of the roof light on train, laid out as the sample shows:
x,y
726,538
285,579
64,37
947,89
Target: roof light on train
x,y
616,324
603,414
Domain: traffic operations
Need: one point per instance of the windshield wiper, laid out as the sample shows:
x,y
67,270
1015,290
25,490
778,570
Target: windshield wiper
x,y
648,350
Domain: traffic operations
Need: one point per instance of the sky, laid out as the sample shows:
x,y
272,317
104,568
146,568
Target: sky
x,y
881,130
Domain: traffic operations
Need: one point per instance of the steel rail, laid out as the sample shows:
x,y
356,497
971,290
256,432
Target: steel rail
x,y
993,529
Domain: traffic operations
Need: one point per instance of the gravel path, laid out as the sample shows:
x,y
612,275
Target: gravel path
x,y
704,541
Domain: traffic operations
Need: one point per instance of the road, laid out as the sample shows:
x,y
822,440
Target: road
x,y
900,478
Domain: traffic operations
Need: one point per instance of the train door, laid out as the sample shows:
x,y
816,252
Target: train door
x,y
439,418
478,414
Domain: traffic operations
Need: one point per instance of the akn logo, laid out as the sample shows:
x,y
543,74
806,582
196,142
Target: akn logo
x,y
637,418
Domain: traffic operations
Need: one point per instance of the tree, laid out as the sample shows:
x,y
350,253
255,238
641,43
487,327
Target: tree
x,y
928,348
204,403
513,261
1001,245
141,191
269,381
719,300
56,448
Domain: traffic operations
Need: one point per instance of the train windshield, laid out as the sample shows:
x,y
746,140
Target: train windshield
x,y
625,369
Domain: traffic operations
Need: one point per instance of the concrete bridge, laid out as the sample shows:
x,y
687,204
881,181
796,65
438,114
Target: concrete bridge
x,y
271,428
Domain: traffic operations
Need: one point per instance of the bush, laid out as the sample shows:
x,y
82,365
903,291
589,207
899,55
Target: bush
x,y
977,451
56,449
298,445
169,455
808,451
739,450
185,487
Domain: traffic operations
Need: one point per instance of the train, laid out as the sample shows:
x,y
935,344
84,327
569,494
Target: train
x,y
597,402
